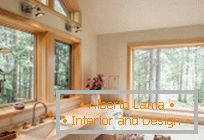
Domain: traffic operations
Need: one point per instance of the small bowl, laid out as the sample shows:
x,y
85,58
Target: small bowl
x,y
19,106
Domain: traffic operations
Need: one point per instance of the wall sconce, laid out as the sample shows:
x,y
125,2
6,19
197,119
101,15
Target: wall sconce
x,y
39,12
69,27
29,9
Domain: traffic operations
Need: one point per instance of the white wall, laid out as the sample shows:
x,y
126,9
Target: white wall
x,y
112,48
89,45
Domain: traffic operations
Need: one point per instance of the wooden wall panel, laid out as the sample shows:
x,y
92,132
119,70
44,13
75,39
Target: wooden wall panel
x,y
41,67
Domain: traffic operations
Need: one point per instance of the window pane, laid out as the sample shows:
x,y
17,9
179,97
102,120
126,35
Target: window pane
x,y
62,66
17,84
170,69
60,8
43,1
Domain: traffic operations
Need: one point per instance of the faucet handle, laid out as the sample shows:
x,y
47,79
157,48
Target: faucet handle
x,y
42,117
25,125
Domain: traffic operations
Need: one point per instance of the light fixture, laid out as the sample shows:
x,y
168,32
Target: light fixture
x,y
30,9
78,29
72,28
39,12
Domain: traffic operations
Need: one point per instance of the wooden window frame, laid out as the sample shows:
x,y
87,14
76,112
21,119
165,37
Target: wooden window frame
x,y
75,64
45,36
70,57
75,60
157,44
22,29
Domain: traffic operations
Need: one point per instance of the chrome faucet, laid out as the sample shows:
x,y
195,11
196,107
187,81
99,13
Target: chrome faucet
x,y
33,119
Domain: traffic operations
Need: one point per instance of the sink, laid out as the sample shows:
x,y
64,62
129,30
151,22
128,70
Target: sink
x,y
41,131
47,130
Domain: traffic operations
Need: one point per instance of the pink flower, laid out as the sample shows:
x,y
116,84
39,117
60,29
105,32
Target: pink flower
x,y
94,83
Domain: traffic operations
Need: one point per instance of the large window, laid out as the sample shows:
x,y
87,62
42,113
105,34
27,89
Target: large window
x,y
179,68
62,66
17,65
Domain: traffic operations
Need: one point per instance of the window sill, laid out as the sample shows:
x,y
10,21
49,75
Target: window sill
x,y
6,112
10,111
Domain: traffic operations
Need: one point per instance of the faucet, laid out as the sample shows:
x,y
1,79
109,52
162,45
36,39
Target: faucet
x,y
34,106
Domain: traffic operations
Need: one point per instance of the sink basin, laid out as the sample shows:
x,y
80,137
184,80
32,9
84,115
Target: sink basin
x,y
41,131
46,130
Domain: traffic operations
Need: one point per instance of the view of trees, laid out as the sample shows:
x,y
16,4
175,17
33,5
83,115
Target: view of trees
x,y
169,69
62,66
19,83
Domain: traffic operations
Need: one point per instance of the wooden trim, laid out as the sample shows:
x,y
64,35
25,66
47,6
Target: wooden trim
x,y
166,43
51,4
156,44
15,21
76,16
29,25
129,68
129,73
65,38
72,5
41,67
75,11
76,60
76,68
50,63
8,22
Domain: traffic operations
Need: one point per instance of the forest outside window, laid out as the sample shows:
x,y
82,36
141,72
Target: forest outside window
x,y
180,68
17,84
62,66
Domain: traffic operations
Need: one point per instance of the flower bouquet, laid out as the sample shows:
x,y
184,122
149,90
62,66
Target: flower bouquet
x,y
95,83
